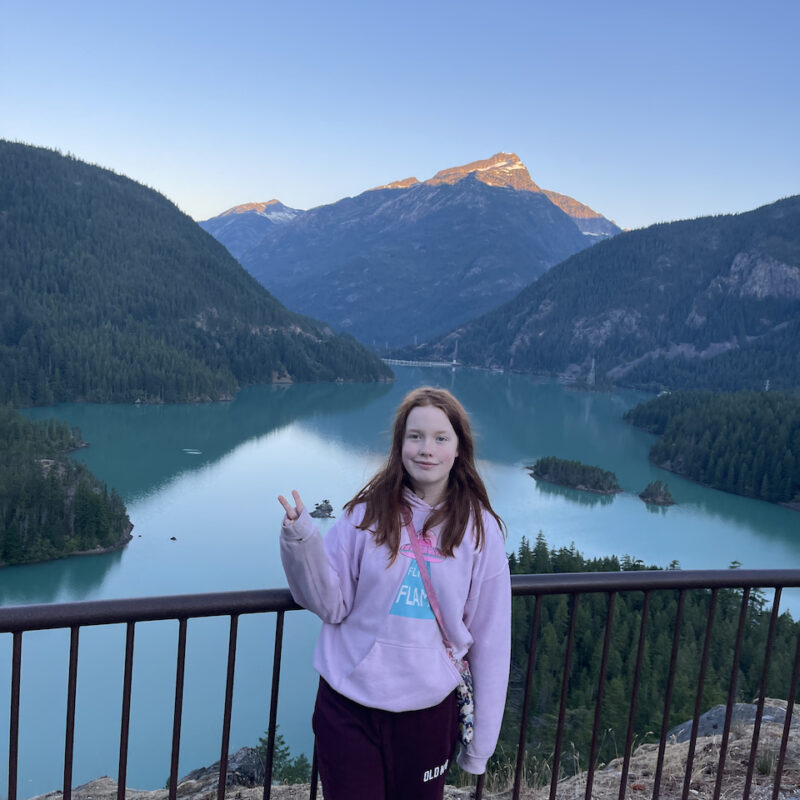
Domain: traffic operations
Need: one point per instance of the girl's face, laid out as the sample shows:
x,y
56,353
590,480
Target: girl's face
x,y
430,447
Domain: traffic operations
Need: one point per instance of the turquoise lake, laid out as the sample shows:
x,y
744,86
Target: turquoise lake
x,y
209,475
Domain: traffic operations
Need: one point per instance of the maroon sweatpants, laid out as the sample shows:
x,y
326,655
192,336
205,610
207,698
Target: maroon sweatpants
x,y
370,754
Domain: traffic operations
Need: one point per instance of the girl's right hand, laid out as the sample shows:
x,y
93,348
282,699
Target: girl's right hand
x,y
292,511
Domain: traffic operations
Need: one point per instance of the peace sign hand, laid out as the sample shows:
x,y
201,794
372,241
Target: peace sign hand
x,y
292,512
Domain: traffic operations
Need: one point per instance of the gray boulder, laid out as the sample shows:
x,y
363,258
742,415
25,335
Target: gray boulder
x,y
712,722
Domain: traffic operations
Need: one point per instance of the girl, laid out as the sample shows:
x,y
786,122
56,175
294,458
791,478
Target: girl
x,y
385,718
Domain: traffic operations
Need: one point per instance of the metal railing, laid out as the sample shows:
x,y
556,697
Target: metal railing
x,y
73,616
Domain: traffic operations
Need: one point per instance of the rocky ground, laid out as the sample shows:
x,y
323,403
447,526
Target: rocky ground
x,y
245,776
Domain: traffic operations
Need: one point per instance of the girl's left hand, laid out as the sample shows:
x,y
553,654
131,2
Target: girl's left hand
x,y
292,511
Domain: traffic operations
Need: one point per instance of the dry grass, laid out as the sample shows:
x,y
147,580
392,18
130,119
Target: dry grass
x,y
606,783
641,773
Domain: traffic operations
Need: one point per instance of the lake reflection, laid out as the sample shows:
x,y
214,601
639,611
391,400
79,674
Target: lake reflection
x,y
209,474
576,496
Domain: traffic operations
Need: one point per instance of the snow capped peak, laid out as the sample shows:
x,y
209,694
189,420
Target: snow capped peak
x,y
273,210
257,207
502,169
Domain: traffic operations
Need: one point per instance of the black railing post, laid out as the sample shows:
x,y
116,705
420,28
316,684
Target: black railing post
x,y
673,660
177,713
601,685
637,676
762,690
69,736
523,725
273,705
226,718
122,774
13,734
562,708
698,699
737,650
314,773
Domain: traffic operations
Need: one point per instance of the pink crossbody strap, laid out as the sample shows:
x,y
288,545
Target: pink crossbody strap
x,y
413,537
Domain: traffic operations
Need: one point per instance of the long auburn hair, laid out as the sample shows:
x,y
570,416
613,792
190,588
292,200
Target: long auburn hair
x,y
466,496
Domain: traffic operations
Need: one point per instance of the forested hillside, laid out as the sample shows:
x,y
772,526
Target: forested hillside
x,y
50,505
592,611
747,443
704,303
109,293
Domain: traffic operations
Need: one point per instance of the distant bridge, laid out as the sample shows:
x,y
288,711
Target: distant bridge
x,y
401,363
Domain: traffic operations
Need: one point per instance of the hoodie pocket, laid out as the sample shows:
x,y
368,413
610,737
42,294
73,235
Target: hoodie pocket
x,y
398,677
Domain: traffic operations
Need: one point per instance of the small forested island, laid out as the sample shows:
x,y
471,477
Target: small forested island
x,y
575,475
50,505
747,443
657,493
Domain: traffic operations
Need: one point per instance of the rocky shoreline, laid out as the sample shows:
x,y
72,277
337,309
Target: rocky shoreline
x,y
112,548
676,470
120,544
579,486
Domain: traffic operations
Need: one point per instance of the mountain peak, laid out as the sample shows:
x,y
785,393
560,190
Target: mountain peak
x,y
507,170
259,208
403,184
244,226
502,169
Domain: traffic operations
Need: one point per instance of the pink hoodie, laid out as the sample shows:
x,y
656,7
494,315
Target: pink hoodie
x,y
380,644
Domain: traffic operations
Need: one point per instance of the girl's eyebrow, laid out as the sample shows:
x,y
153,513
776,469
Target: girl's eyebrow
x,y
419,430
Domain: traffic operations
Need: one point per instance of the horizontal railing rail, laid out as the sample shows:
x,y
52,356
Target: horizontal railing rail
x,y
18,620
48,616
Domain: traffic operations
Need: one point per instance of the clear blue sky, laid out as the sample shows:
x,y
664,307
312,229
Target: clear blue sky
x,y
645,111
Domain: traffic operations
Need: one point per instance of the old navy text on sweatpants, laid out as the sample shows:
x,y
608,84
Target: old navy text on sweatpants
x,y
372,754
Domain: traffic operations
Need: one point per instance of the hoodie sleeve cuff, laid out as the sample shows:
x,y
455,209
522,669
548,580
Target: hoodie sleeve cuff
x,y
470,763
302,528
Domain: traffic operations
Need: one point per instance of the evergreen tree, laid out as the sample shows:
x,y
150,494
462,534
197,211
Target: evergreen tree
x,y
285,768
